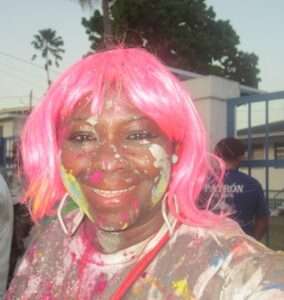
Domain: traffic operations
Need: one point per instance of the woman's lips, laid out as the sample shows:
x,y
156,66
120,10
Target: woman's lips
x,y
113,193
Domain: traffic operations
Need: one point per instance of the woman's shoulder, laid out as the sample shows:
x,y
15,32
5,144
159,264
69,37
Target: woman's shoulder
x,y
50,229
229,258
227,238
40,231
43,261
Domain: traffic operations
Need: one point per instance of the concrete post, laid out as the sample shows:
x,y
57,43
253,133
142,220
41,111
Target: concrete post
x,y
210,94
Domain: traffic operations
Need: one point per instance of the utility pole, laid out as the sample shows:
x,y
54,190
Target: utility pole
x,y
31,100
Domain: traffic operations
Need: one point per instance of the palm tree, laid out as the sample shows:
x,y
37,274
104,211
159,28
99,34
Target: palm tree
x,y
106,4
51,48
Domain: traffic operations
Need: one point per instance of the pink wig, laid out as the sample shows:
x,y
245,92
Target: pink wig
x,y
153,90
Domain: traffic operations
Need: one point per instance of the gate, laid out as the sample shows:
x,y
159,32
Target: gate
x,y
258,121
8,156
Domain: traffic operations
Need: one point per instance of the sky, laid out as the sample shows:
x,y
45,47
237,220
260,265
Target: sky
x,y
259,23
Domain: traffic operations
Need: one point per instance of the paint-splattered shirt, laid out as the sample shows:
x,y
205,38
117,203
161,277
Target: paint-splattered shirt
x,y
196,263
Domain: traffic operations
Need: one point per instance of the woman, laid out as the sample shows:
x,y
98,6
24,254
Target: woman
x,y
117,148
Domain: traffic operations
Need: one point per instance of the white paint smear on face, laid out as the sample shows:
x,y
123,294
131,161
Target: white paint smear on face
x,y
144,142
162,162
93,120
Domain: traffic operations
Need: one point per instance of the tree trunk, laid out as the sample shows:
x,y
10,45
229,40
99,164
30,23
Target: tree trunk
x,y
47,73
108,35
48,77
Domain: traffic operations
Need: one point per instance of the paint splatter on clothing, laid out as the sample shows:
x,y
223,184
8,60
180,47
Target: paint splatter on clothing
x,y
196,263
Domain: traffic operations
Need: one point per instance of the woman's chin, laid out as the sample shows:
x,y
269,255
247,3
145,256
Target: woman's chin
x,y
116,220
113,227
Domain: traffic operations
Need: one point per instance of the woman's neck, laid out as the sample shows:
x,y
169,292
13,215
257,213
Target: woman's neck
x,y
113,241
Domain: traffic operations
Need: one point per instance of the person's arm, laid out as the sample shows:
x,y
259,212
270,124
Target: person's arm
x,y
261,225
6,231
255,276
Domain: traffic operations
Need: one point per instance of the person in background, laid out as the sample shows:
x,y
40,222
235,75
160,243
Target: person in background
x,y
6,232
243,192
21,231
22,220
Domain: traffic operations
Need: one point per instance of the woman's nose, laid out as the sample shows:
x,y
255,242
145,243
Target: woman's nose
x,y
108,158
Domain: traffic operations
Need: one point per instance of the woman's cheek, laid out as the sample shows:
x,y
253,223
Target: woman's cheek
x,y
75,161
141,159
153,161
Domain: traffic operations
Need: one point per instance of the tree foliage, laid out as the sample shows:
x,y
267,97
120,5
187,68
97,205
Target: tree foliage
x,y
183,33
88,3
51,48
107,40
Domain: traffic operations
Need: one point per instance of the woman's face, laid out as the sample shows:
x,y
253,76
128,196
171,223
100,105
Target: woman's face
x,y
121,160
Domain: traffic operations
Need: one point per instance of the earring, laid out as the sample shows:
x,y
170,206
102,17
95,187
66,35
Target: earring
x,y
176,204
170,221
174,158
76,194
76,221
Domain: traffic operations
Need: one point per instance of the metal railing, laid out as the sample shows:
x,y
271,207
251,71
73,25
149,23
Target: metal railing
x,y
9,158
276,199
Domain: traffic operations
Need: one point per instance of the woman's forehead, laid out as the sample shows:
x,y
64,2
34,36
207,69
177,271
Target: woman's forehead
x,y
114,105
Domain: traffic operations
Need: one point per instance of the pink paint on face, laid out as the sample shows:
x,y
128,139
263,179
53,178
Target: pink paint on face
x,y
96,177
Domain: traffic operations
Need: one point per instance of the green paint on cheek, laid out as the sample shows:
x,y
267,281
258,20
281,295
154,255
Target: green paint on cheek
x,y
73,188
162,162
160,189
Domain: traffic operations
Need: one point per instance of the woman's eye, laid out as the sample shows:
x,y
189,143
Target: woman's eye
x,y
82,137
143,135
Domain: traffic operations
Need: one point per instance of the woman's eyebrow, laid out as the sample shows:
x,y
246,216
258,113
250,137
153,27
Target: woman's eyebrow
x,y
82,119
94,120
135,118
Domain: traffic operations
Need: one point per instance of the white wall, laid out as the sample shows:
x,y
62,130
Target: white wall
x,y
210,94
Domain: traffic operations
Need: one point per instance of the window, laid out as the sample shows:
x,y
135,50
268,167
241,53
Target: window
x,y
279,151
258,151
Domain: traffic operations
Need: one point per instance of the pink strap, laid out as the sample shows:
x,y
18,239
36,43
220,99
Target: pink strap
x,y
138,269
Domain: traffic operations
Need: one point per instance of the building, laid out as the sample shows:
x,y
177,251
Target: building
x,y
11,123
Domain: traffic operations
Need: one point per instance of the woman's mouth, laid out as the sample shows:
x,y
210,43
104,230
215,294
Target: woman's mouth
x,y
112,193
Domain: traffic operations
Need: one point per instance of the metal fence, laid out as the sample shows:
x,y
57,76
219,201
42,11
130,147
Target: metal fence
x,y
276,199
9,158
